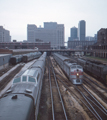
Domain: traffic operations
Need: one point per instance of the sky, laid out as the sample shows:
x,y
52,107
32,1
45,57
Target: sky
x,y
16,14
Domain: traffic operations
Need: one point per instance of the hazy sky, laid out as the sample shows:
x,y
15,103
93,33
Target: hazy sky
x,y
16,14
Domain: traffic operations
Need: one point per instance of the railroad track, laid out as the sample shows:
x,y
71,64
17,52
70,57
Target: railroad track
x,y
5,70
58,108
95,83
95,106
8,78
96,88
91,103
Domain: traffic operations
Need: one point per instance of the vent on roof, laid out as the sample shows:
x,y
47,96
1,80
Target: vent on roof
x,y
28,90
9,91
14,97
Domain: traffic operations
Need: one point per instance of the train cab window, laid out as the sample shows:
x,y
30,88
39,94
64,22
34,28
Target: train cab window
x,y
16,80
78,66
73,66
31,79
24,78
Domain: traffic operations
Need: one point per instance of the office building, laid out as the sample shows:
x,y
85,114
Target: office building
x,y
73,34
52,32
102,36
4,35
81,30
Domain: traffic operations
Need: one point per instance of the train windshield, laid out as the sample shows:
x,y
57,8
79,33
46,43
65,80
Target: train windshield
x,y
78,66
73,66
30,79
16,80
24,78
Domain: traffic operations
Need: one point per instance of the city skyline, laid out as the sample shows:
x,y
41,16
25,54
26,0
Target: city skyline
x,y
16,14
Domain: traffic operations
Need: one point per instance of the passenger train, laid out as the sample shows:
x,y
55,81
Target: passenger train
x,y
72,70
15,59
95,68
21,102
30,56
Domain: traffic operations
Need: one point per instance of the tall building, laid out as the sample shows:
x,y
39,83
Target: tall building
x,y
31,32
81,30
4,35
102,36
73,33
52,32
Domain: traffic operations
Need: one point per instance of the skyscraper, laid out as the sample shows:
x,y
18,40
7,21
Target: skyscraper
x,y
81,30
73,33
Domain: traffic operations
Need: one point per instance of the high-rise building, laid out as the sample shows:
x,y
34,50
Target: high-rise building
x,y
4,35
81,30
52,32
73,33
31,32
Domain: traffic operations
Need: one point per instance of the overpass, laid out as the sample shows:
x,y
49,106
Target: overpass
x,y
93,52
49,51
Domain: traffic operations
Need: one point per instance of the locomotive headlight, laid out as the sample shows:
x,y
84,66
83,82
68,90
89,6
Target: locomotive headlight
x,y
77,74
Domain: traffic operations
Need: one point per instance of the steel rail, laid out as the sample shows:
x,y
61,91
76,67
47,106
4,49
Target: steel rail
x,y
95,99
95,83
97,105
89,104
53,115
78,98
59,93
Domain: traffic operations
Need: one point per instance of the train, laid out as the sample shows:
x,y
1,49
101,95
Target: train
x,y
31,56
24,58
95,68
15,59
21,101
73,71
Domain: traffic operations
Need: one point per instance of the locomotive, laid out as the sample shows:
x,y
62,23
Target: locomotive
x,y
73,71
21,101
95,68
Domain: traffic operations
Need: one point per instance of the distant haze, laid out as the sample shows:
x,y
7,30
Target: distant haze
x,y
16,14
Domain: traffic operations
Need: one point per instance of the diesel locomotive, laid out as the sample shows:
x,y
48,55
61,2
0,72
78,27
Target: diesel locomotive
x,y
72,70
21,101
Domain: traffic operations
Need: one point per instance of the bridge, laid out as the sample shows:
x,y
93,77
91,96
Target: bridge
x,y
93,52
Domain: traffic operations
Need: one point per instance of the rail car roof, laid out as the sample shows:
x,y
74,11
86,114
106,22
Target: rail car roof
x,y
16,56
2,55
62,57
70,64
15,108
